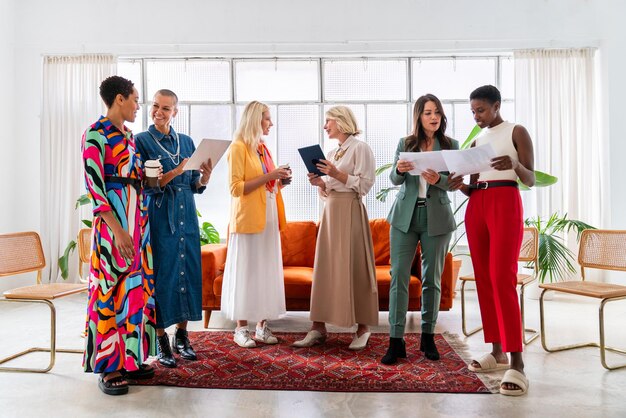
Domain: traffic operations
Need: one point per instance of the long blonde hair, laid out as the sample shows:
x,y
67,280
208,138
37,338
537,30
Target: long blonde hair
x,y
249,130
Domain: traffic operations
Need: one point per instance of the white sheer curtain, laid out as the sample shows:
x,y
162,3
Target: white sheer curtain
x,y
71,102
556,100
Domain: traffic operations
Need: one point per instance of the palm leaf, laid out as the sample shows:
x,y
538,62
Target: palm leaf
x,y
382,194
208,234
470,138
383,168
83,200
64,259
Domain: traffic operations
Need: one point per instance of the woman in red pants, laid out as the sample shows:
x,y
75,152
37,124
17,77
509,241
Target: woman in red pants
x,y
494,225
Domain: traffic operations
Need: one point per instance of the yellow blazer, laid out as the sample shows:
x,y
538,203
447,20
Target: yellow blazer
x,y
247,212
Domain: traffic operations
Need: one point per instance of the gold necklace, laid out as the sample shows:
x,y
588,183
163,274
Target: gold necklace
x,y
340,152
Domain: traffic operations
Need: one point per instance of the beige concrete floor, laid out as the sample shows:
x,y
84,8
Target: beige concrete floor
x,y
568,384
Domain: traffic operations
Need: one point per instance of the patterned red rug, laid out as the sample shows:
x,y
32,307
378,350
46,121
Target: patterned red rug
x,y
330,367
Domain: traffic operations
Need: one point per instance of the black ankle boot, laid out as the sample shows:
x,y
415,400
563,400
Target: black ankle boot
x,y
166,357
181,345
396,350
427,345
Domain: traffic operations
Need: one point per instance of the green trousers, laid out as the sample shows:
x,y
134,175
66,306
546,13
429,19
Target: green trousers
x,y
434,250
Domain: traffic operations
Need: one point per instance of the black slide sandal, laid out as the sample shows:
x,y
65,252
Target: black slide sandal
x,y
108,387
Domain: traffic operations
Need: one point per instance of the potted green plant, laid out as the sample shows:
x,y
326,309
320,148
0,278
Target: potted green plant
x,y
555,260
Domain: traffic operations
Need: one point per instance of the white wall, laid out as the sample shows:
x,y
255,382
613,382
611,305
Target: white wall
x,y
7,114
284,26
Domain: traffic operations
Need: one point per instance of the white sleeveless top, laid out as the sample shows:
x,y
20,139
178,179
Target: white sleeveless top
x,y
501,139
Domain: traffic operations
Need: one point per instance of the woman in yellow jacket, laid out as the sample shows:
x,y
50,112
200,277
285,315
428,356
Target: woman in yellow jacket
x,y
253,287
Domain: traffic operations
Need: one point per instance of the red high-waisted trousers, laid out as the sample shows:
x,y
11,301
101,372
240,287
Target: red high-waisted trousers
x,y
494,225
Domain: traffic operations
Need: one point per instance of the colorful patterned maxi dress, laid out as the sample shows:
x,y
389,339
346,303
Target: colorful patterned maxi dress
x,y
120,325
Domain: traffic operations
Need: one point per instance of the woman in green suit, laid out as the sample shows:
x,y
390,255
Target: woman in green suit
x,y
421,213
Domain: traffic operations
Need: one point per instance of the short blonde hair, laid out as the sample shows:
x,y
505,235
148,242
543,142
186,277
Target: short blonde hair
x,y
249,130
346,122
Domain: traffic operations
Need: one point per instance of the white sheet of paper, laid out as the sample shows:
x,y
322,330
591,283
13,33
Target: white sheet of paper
x,y
208,148
422,161
469,161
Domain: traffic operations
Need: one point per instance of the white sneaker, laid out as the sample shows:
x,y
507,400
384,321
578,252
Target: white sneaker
x,y
265,335
242,338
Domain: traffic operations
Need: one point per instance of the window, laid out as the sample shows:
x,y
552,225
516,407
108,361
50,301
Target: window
x,y
381,92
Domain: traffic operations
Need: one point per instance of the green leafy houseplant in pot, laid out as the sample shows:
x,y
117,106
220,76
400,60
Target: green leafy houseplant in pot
x,y
555,260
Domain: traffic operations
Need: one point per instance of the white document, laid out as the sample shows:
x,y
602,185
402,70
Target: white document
x,y
208,148
463,162
469,161
423,161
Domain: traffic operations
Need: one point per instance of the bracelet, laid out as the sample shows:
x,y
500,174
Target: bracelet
x,y
202,184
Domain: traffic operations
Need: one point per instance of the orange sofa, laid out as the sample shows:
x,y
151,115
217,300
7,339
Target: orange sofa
x,y
298,246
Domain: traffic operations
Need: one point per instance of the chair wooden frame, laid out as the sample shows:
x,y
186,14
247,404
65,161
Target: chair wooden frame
x,y
84,252
600,249
529,252
22,253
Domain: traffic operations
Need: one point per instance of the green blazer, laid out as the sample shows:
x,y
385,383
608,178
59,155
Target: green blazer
x,y
438,210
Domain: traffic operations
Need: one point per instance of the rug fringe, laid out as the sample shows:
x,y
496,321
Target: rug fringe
x,y
460,347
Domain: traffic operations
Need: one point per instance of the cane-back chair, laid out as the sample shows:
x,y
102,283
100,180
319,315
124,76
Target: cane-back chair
x,y
22,253
599,249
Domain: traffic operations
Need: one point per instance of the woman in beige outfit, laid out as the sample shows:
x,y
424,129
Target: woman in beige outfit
x,y
344,277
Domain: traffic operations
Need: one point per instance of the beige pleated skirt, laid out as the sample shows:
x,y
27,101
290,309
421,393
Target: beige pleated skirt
x,y
344,277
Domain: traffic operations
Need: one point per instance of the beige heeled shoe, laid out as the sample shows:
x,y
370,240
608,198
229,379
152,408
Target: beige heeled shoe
x,y
312,338
359,343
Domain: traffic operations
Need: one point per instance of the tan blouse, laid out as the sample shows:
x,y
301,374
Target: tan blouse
x,y
356,159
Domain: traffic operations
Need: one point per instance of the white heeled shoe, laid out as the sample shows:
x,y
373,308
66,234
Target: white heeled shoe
x,y
359,343
312,338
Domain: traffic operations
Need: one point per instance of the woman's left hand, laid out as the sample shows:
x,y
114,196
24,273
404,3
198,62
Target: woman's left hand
x,y
328,168
205,172
431,176
504,162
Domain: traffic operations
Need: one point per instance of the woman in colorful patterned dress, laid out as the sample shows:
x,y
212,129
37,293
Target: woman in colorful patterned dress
x,y
120,313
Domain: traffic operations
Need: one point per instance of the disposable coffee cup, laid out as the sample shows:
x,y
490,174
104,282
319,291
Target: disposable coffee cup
x,y
288,179
152,172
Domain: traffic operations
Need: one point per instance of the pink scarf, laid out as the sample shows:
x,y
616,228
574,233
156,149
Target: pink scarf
x,y
267,163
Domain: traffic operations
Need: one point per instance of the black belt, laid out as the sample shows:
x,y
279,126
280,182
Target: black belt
x,y
136,183
484,185
421,204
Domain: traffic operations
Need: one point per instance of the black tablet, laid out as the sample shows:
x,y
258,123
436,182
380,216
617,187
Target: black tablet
x,y
311,156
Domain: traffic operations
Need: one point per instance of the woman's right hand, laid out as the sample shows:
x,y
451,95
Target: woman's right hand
x,y
404,166
124,243
316,180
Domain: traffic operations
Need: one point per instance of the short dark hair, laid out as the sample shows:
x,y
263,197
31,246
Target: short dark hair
x,y
167,93
489,93
114,85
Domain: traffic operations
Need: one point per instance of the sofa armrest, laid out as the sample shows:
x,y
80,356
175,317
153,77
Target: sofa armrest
x,y
447,284
213,260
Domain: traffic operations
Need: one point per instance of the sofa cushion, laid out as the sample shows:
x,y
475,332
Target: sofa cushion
x,y
383,278
298,282
380,238
217,285
298,243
